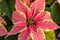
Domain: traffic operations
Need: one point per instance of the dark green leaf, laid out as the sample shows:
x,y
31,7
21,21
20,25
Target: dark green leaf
x,y
7,7
9,23
55,11
49,2
12,37
2,38
4,8
0,13
11,5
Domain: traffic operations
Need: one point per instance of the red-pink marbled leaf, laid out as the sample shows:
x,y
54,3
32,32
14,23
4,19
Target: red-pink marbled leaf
x,y
29,14
1,20
33,28
16,16
39,35
37,6
20,6
3,30
17,27
47,16
24,35
47,25
40,16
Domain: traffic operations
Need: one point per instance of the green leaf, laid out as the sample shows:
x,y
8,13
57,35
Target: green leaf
x,y
0,13
55,12
12,37
50,35
47,9
49,2
2,38
4,8
7,7
9,23
11,5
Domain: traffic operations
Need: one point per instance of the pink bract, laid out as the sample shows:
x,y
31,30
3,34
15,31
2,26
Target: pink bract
x,y
58,1
31,21
3,30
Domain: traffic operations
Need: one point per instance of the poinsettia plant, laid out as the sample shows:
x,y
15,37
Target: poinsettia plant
x,y
29,19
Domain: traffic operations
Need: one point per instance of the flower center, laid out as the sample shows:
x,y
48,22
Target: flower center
x,y
30,21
